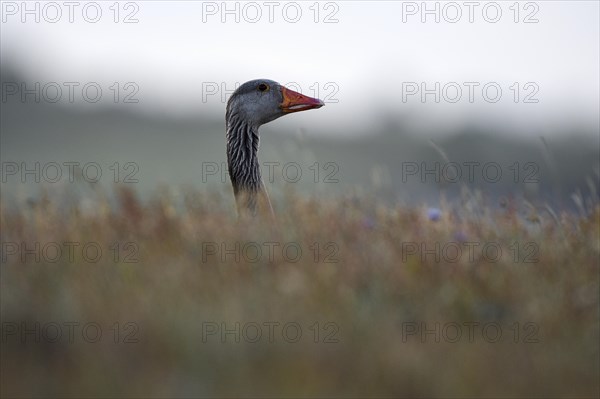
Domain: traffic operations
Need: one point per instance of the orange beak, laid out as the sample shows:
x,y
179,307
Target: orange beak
x,y
295,102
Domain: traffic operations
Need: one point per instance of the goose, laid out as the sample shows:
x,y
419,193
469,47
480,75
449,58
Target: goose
x,y
253,104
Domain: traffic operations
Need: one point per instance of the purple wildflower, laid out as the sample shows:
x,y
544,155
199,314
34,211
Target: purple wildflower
x,y
434,214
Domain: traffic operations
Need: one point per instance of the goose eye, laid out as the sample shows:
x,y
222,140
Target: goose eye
x,y
263,87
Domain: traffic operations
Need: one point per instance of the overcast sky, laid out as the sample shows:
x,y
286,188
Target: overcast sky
x,y
364,59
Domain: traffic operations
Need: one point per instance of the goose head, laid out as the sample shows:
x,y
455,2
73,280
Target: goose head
x,y
261,101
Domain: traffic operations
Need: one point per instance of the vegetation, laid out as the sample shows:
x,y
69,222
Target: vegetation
x,y
341,297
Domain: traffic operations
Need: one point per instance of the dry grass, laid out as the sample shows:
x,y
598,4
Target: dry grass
x,y
376,290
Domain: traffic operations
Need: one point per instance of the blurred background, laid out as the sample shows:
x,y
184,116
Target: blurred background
x,y
406,85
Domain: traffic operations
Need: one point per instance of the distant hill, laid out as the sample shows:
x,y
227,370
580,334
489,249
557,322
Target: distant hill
x,y
174,151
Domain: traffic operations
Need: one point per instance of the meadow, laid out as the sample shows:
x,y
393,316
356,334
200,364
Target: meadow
x,y
106,295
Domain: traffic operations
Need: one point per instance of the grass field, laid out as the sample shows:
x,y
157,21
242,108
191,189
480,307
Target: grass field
x,y
344,298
